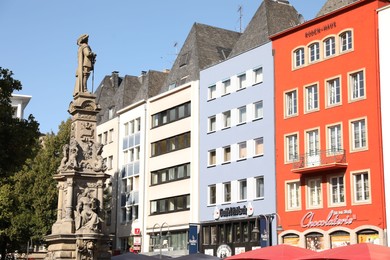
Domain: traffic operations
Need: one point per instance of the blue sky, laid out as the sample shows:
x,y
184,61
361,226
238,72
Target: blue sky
x,y
39,37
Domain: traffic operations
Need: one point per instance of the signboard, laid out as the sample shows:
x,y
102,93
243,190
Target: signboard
x,y
137,241
334,218
193,239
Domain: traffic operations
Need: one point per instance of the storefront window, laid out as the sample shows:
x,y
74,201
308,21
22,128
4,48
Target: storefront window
x,y
237,232
315,241
229,233
213,235
368,236
206,235
291,239
221,234
339,238
245,231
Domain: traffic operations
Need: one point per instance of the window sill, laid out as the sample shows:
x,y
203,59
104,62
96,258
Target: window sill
x,y
224,163
241,159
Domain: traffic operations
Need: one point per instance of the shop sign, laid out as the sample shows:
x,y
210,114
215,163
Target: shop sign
x,y
224,251
334,218
233,211
320,29
137,241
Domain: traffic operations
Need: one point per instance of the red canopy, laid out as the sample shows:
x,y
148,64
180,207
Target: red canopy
x,y
363,251
279,252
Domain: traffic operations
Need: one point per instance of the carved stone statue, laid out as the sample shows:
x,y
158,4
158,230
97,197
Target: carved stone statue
x,y
86,61
86,216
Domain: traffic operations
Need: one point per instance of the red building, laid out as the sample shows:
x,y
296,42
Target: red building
x,y
329,160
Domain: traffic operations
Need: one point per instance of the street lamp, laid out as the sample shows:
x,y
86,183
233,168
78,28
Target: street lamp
x,y
279,227
265,235
160,234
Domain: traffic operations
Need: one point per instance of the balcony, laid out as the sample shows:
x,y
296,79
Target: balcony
x,y
322,160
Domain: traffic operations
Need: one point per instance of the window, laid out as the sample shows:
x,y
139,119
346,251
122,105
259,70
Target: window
x,y
334,139
333,92
212,194
336,190
169,205
293,196
299,56
258,109
168,116
226,87
356,85
212,157
212,92
227,191
329,47
358,134
110,135
311,94
259,187
241,81
242,150
361,187
259,146
291,147
226,119
314,193
170,174
110,113
314,52
212,124
171,144
110,161
242,189
226,154
291,107
258,75
312,148
346,41
242,115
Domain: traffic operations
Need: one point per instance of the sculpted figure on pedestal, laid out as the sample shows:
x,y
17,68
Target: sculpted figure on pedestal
x,y
86,61
85,215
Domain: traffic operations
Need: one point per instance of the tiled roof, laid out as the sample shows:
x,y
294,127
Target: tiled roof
x,y
270,18
332,5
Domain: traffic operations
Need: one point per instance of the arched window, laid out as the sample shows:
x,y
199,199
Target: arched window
x,y
329,47
345,41
299,57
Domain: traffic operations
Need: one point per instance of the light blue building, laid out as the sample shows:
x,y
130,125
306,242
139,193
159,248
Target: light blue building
x,y
237,142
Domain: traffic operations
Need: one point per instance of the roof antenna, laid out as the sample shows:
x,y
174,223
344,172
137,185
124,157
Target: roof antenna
x,y
239,10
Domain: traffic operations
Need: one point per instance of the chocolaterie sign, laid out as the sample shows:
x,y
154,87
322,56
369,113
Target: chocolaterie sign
x,y
334,218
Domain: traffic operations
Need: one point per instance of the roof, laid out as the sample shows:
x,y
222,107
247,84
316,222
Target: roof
x,y
332,5
270,18
205,45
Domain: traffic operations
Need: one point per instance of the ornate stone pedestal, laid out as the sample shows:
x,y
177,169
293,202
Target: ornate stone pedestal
x,y
79,232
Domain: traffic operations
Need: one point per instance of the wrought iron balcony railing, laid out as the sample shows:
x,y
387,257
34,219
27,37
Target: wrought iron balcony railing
x,y
320,160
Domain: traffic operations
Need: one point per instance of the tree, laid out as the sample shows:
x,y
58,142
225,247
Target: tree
x,y
17,136
35,192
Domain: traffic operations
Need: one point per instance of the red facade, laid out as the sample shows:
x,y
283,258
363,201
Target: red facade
x,y
328,131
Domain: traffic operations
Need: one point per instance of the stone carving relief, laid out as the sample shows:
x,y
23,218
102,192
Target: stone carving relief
x,y
86,216
85,249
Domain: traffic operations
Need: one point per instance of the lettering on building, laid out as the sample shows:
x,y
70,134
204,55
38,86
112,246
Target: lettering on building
x,y
320,29
233,211
334,218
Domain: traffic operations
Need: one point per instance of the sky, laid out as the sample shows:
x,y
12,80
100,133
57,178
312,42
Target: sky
x,y
38,41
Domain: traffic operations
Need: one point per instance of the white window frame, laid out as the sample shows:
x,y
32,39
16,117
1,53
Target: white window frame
x,y
212,154
242,115
329,47
258,76
314,50
227,154
358,134
212,190
258,142
334,138
259,187
293,195
227,195
361,193
299,57
313,144
333,91
357,84
212,92
291,147
242,190
346,41
242,147
258,111
311,98
291,103
227,119
212,124
226,86
336,191
314,193
241,81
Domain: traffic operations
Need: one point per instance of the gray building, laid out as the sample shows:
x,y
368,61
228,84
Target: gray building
x,y
237,142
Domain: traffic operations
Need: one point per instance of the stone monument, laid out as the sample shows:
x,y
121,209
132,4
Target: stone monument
x,y
79,232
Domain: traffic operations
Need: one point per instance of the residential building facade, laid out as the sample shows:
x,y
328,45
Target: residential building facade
x,y
328,129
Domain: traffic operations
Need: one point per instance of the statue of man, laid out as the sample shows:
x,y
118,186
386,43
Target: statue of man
x,y
86,61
